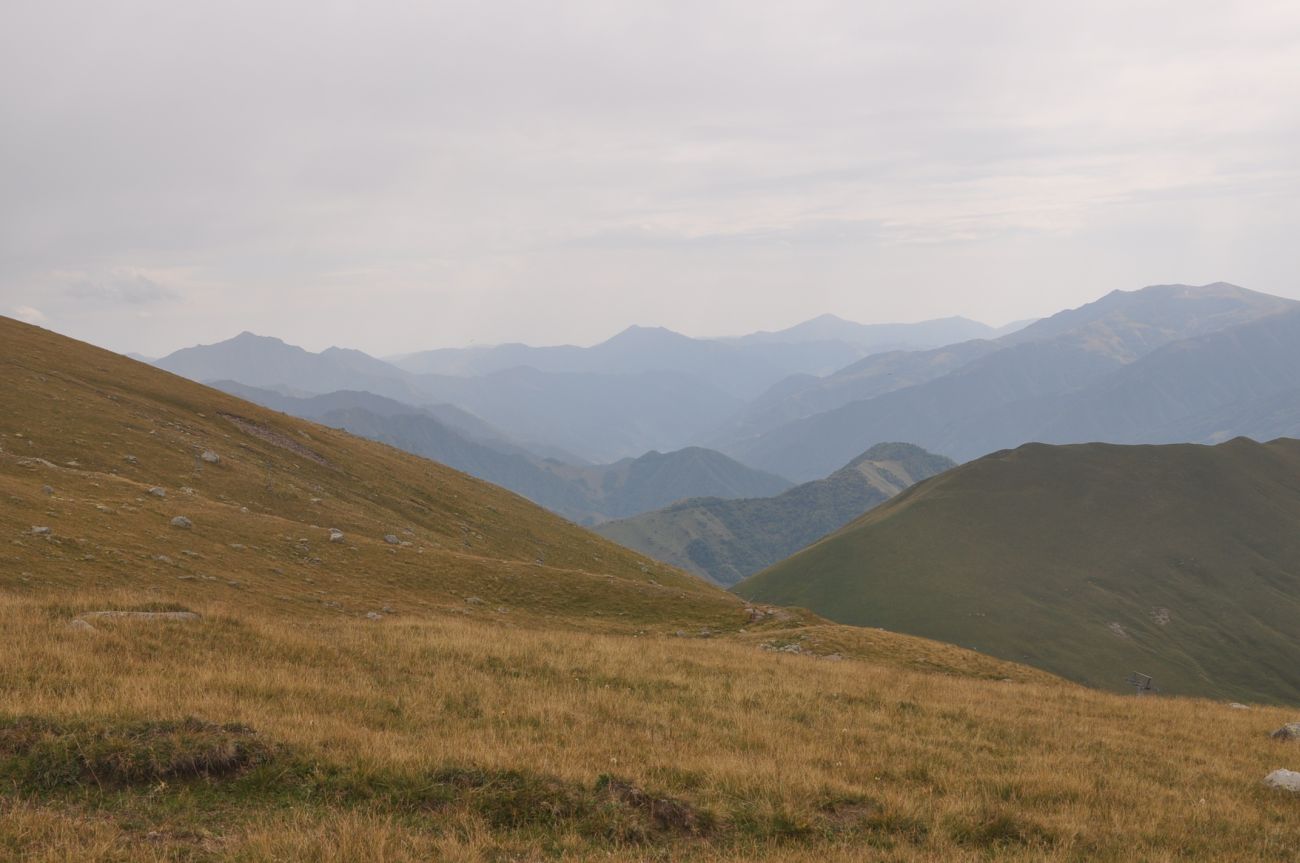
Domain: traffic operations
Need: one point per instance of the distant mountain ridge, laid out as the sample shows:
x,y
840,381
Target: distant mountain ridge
x,y
1088,560
1001,397
727,540
596,415
586,494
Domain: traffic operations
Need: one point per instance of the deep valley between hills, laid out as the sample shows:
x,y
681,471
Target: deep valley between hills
x,y
839,592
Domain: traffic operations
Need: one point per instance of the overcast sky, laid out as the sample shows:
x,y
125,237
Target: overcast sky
x,y
397,176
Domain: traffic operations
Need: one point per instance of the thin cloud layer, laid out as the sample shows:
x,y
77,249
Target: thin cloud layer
x,y
400,176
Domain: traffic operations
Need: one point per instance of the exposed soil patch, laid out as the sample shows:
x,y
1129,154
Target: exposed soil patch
x,y
276,438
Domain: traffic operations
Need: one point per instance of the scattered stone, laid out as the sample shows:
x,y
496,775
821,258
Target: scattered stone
x,y
388,609
1160,616
158,491
1118,630
45,489
474,600
238,546
1238,706
1284,780
336,535
130,459
41,531
185,489
143,615
1290,731
706,633
182,522
79,624
210,457
102,508
374,615
391,539
162,558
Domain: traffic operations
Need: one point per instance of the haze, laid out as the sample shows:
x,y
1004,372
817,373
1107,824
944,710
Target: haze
x,y
395,177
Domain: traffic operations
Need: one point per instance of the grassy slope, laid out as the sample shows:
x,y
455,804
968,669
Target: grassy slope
x,y
455,731
1035,554
727,540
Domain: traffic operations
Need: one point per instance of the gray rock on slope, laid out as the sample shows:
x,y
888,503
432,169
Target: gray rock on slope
x,y
182,522
1284,780
1290,731
210,457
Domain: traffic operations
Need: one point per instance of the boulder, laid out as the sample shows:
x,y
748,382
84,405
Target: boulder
x,y
391,539
41,531
210,457
158,491
80,625
336,535
182,522
1290,731
45,489
1284,780
1238,706
374,615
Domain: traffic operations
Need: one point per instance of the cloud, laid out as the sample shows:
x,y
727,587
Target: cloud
x,y
554,172
28,314
119,288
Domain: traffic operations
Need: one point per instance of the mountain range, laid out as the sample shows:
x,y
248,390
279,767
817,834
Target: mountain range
x,y
1042,382
587,494
727,540
1091,561
645,389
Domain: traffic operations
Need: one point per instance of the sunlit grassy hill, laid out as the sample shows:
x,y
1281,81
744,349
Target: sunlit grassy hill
x,y
498,684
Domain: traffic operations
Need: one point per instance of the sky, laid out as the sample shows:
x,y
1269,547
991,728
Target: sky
x,y
400,176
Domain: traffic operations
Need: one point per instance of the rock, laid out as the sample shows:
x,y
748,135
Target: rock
x,y
130,459
41,531
162,558
158,491
210,457
81,625
388,609
143,615
391,539
1238,706
374,615
45,489
182,522
336,535
1284,780
474,600
1290,731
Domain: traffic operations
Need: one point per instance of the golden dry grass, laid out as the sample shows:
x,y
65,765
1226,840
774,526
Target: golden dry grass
x,y
796,757
452,729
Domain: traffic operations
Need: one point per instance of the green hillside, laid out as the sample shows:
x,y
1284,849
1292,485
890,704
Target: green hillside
x,y
1090,561
727,540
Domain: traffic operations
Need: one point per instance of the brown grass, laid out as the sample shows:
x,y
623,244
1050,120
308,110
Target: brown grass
x,y
794,757
535,693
